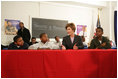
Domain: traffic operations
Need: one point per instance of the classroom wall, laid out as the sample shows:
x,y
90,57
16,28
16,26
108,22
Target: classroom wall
x,y
83,15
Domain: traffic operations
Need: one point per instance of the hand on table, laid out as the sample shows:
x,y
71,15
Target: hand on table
x,y
75,47
63,47
103,44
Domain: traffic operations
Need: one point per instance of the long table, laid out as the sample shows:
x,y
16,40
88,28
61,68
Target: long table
x,y
86,63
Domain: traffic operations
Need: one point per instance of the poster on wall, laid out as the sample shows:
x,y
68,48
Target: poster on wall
x,y
11,26
82,30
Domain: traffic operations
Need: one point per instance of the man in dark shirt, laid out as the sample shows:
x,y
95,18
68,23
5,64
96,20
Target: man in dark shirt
x,y
18,44
100,42
33,41
24,33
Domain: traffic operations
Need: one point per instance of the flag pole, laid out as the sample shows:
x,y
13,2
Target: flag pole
x,y
98,15
99,9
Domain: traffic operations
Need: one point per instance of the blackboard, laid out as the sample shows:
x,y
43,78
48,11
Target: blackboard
x,y
50,26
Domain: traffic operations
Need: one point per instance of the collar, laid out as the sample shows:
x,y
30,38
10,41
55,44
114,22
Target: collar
x,y
43,43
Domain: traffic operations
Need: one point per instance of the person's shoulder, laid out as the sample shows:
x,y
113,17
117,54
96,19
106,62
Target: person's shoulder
x,y
105,38
19,30
30,42
12,46
67,36
77,36
12,43
94,39
35,45
26,29
25,43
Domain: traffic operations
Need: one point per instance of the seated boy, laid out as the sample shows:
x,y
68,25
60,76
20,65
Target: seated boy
x,y
43,44
33,41
57,43
18,44
100,42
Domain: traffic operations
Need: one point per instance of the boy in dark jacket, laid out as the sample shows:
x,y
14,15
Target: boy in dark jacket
x,y
18,44
100,42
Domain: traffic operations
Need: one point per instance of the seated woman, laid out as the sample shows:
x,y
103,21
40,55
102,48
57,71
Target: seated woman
x,y
100,42
72,41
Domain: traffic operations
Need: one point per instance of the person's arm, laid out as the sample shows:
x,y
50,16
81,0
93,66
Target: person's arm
x,y
26,46
28,33
43,48
80,44
33,47
54,46
18,33
64,44
11,47
92,45
105,45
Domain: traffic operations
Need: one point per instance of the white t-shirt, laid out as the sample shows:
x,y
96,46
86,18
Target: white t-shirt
x,y
57,45
41,45
100,41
